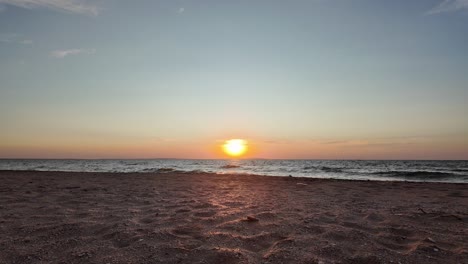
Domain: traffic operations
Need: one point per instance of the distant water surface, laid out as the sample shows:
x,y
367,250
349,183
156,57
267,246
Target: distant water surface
x,y
435,171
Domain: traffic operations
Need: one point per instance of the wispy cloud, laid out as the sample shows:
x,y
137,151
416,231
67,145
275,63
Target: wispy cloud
x,y
180,10
334,142
26,42
277,141
8,37
60,54
377,142
15,38
70,6
449,6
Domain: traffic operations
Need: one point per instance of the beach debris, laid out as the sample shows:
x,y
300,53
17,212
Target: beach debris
x,y
251,219
442,215
452,215
429,239
301,184
83,254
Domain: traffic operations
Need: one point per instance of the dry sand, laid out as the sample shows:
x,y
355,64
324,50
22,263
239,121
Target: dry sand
x,y
56,217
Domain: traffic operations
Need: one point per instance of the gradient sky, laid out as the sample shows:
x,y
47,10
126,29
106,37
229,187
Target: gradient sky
x,y
355,79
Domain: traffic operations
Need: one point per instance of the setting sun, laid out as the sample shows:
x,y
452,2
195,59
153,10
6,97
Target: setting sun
x,y
235,147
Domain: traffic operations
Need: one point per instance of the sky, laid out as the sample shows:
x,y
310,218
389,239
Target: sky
x,y
301,79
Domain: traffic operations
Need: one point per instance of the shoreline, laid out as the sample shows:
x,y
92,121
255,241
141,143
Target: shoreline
x,y
76,217
180,172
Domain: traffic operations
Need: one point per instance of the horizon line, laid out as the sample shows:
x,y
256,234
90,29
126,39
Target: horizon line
x,y
317,159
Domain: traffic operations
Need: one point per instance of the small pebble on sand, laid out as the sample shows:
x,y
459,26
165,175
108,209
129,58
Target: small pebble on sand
x,y
251,219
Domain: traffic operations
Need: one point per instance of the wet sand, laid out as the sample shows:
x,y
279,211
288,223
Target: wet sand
x,y
57,217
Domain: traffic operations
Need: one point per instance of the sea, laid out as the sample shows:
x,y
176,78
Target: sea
x,y
379,170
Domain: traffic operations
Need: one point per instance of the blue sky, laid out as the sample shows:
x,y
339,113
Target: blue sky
x,y
383,79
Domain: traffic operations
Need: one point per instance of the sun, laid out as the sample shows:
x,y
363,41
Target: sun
x,y
235,147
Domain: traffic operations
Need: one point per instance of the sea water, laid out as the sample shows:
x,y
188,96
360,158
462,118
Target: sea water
x,y
393,170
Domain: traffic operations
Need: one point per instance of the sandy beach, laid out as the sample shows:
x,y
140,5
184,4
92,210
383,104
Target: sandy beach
x,y
59,217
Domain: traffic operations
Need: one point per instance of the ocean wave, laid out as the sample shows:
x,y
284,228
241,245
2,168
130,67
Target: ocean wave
x,y
438,171
330,169
323,168
160,170
229,166
417,174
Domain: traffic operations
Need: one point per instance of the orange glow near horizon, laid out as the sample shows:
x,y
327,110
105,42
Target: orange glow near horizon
x,y
254,147
235,147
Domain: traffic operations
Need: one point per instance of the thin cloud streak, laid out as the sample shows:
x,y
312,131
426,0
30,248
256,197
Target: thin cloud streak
x,y
60,54
8,38
449,6
70,6
26,42
14,38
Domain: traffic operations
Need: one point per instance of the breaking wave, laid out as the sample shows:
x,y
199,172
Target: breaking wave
x,y
323,168
422,175
160,170
229,166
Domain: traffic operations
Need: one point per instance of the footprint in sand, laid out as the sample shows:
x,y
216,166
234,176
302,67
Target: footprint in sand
x,y
205,214
398,239
374,217
190,230
120,239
